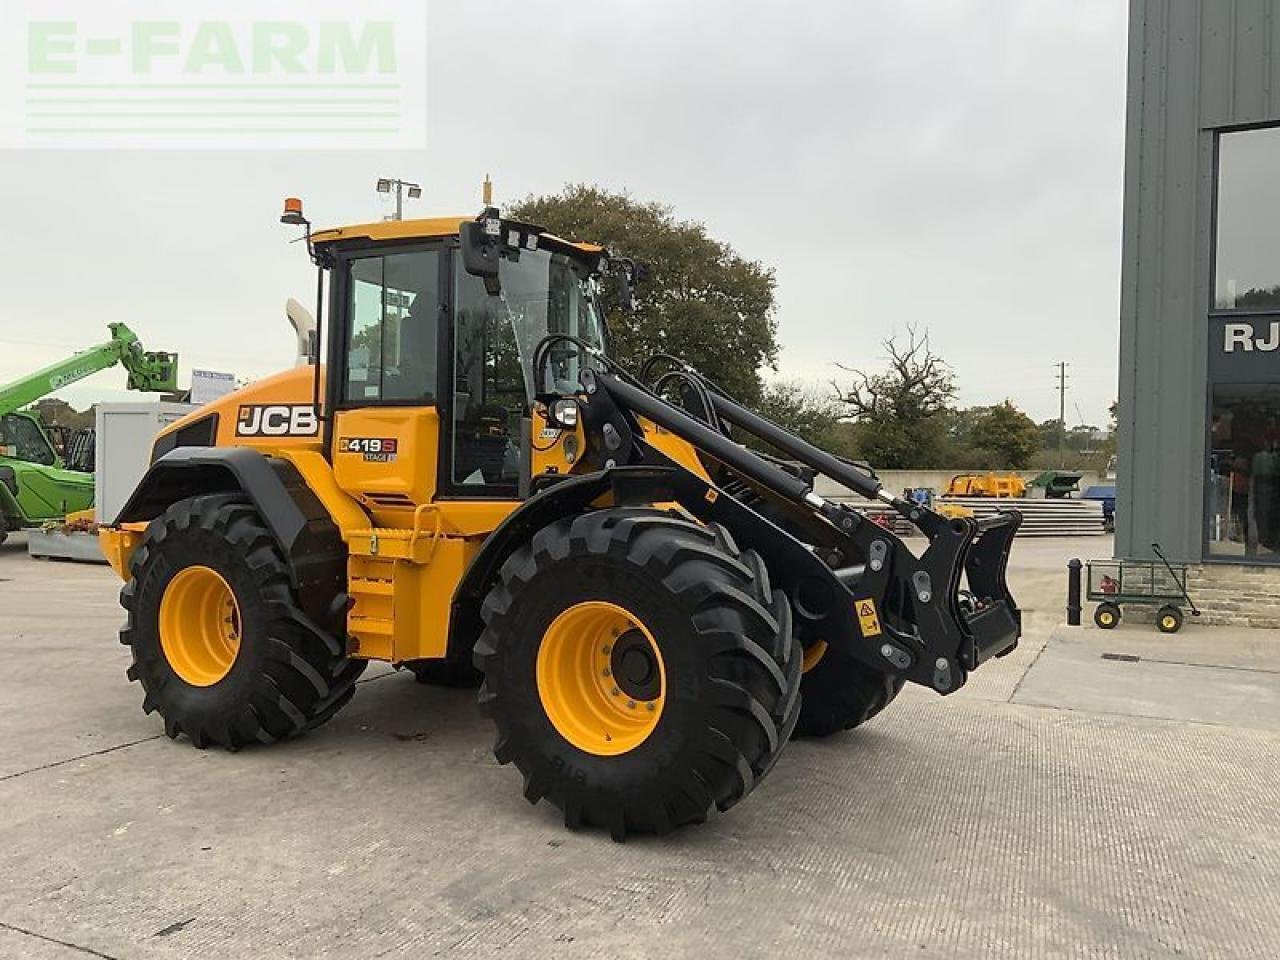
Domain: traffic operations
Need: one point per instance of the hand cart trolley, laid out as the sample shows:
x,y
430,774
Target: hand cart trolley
x,y
1116,582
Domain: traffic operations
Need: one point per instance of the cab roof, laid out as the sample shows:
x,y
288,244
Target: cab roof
x,y
425,229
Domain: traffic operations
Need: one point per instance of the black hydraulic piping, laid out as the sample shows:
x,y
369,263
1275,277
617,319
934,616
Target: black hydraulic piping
x,y
792,445
714,443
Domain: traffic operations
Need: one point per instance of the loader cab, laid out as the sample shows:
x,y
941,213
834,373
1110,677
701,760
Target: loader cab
x,y
430,372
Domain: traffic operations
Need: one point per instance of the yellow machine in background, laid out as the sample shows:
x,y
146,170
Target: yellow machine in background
x,y
470,486
986,485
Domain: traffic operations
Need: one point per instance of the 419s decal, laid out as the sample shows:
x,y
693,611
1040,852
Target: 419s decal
x,y
373,449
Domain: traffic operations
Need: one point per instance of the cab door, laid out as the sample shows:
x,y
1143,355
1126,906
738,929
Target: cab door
x,y
386,428
485,454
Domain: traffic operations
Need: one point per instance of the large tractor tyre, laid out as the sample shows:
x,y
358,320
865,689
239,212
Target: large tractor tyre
x,y
446,673
220,646
639,669
839,692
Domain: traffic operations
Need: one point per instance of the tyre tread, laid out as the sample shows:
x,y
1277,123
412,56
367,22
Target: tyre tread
x,y
752,663
306,677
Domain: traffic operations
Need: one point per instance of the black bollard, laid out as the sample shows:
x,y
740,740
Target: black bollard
x,y
1073,592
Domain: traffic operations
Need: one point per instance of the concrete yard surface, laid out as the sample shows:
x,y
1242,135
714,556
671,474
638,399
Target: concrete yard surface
x,y
1064,804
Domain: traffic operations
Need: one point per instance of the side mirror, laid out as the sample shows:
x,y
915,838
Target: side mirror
x,y
481,253
626,296
630,273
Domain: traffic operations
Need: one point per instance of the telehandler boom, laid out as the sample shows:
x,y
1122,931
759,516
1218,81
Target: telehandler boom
x,y
35,484
472,488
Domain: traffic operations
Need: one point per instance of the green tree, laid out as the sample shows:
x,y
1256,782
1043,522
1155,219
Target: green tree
x,y
702,301
1011,437
809,414
901,414
1078,439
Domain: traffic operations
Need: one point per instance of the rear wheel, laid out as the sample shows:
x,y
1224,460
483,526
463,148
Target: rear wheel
x,y
637,669
219,644
1107,615
839,691
446,673
1169,619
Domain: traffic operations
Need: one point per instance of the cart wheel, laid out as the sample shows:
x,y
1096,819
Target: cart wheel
x,y
1169,619
1107,615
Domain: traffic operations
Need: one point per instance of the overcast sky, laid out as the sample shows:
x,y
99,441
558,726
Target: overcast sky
x,y
950,163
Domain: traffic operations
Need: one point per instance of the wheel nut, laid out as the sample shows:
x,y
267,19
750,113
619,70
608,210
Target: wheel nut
x,y
607,649
631,704
651,707
605,671
614,692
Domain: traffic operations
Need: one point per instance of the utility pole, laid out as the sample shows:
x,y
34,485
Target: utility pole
x,y
388,184
1062,412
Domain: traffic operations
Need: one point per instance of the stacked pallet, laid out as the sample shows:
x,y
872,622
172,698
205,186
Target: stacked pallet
x,y
1040,517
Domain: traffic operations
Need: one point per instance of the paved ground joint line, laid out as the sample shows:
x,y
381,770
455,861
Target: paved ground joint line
x,y
83,756
89,951
1030,666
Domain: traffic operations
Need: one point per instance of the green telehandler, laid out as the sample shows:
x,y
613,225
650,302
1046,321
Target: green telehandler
x,y
36,484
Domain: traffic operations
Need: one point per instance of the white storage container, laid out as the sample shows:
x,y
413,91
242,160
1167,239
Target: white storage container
x,y
126,432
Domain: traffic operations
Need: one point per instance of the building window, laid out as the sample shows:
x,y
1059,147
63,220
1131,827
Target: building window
x,y
1248,241
1244,471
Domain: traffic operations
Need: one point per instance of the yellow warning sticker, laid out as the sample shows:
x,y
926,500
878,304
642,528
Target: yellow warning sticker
x,y
868,619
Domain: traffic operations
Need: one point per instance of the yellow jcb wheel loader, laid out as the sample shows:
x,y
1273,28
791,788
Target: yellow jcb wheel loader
x,y
470,487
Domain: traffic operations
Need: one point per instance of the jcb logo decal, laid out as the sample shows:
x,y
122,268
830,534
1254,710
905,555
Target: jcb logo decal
x,y
277,420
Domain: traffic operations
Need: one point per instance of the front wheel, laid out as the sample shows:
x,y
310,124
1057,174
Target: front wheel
x,y
1107,615
639,669
219,644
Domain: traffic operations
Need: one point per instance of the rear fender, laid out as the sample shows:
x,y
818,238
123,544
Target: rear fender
x,y
301,525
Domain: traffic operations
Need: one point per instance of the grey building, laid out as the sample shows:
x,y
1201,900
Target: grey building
x,y
1199,426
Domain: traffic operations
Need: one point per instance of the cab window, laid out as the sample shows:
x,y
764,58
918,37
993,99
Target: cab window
x,y
394,307
21,439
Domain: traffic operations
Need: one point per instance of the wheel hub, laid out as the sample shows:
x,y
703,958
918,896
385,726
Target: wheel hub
x,y
601,678
634,666
200,625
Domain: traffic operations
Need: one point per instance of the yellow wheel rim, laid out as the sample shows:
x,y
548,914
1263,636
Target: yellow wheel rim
x,y
1107,618
813,655
1168,622
199,626
601,678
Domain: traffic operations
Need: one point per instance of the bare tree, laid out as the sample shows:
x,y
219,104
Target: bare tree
x,y
899,414
918,384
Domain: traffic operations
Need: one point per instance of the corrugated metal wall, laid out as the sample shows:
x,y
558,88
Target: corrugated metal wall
x,y
1194,65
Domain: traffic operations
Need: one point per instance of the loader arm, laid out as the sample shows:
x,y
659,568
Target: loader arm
x,y
931,618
